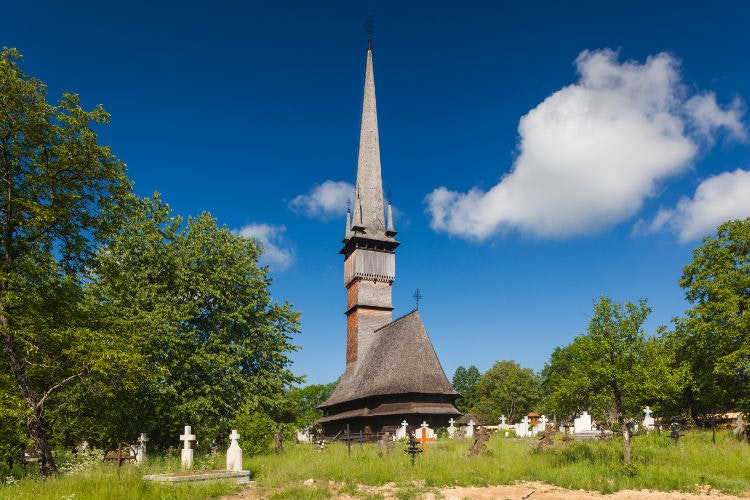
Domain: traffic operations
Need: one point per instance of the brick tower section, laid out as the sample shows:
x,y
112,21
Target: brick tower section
x,y
368,308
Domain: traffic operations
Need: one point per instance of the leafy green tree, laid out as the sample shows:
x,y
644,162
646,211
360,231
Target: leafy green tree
x,y
307,400
505,389
463,381
200,309
713,340
562,395
615,365
58,191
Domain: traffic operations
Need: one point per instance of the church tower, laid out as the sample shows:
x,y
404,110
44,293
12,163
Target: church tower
x,y
369,245
392,372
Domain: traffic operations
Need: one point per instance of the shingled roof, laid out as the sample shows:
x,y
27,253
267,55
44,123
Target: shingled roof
x,y
400,360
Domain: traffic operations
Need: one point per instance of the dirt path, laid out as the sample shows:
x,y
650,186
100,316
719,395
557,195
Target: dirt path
x,y
521,491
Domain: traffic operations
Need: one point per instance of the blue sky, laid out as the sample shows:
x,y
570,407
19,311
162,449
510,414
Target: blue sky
x,y
538,154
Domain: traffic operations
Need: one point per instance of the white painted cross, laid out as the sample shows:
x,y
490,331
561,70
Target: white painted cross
x,y
401,431
543,421
452,428
234,453
140,454
187,452
469,430
503,419
187,437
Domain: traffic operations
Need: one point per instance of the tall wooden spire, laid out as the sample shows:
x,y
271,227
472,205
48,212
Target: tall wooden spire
x,y
368,214
369,257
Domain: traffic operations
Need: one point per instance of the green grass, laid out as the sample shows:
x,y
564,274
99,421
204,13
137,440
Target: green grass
x,y
656,464
94,480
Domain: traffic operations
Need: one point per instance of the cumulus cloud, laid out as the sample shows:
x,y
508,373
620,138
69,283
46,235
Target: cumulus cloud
x,y
277,253
591,153
716,200
707,116
324,201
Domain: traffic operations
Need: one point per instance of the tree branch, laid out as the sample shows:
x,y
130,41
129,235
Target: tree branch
x,y
52,389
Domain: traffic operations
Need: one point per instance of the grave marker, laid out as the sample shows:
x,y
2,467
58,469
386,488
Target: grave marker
x,y
140,453
234,453
187,451
424,439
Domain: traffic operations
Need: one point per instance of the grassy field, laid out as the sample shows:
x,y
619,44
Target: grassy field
x,y
658,464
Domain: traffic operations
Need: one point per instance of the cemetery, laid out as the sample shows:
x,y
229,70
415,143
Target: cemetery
x,y
423,460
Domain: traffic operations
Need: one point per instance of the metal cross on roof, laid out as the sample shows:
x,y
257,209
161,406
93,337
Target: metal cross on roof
x,y
417,297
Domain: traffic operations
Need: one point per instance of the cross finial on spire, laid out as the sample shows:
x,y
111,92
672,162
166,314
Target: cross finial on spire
x,y
369,31
417,297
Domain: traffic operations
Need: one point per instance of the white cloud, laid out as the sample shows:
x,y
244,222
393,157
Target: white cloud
x,y
324,201
590,153
707,116
718,199
276,251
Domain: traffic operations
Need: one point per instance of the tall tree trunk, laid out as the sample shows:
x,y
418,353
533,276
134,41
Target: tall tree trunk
x,y
39,430
624,427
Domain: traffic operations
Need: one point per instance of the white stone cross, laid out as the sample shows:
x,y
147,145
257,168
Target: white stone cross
x,y
647,411
187,437
469,429
140,453
544,421
452,428
234,453
503,418
187,452
401,431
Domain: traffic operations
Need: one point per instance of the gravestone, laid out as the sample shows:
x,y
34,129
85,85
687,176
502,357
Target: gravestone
x,y
424,437
648,420
740,425
541,426
429,432
234,453
503,423
187,451
469,429
582,423
401,431
140,451
452,428
385,444
479,442
522,428
304,436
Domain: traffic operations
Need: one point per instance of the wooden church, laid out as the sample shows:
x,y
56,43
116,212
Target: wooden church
x,y
392,372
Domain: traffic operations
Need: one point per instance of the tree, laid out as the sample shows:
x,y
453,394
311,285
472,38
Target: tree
x,y
463,381
307,400
58,192
616,364
714,338
562,395
505,389
199,307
